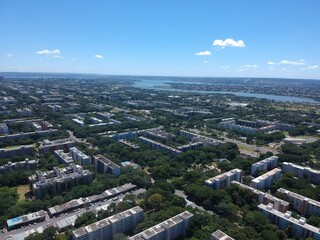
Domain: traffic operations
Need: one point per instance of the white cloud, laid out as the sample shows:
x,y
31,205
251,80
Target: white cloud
x,y
74,59
57,56
270,63
205,61
242,69
300,62
48,52
98,56
204,53
313,67
9,55
252,66
229,42
225,67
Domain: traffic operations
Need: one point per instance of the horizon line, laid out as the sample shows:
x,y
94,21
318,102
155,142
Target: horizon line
x,y
146,75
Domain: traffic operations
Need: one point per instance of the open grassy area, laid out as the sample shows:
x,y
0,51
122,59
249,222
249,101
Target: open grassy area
x,y
22,190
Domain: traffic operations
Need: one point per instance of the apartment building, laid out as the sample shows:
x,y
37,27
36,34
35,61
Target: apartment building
x,y
300,228
79,157
124,135
63,158
25,165
58,180
305,206
16,151
264,165
265,180
156,145
302,172
223,180
172,228
105,165
207,141
219,235
4,128
108,227
190,146
59,144
266,198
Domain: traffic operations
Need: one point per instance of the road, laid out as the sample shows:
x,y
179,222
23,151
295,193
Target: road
x,y
190,203
74,138
78,140
248,146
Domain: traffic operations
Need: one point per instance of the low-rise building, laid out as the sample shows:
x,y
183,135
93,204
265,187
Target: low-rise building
x,y
172,228
300,229
105,165
82,202
305,206
223,180
265,180
108,227
27,219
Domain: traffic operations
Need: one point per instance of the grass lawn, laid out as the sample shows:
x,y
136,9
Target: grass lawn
x,y
22,190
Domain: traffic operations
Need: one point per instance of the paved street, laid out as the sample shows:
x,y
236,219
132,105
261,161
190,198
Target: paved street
x,y
248,146
190,203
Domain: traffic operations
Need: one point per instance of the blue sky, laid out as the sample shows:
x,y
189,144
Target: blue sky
x,y
228,38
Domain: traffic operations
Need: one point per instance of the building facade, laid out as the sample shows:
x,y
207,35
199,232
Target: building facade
x,y
58,180
219,235
105,165
302,172
108,227
265,180
266,198
300,229
172,228
225,179
302,204
264,165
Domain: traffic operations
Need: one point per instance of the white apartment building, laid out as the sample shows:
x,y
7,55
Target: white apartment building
x,y
167,230
300,228
265,180
108,227
219,235
223,180
264,165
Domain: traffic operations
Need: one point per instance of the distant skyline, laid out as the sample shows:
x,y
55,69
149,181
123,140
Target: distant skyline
x,y
204,38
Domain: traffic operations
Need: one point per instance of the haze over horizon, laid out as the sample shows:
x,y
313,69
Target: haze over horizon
x,y
206,38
